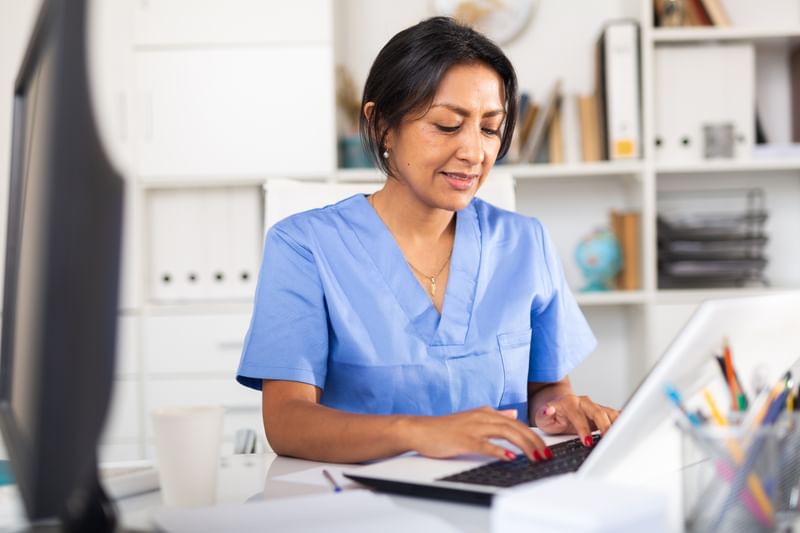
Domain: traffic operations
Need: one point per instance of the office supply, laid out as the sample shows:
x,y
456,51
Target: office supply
x,y
757,325
130,478
316,476
619,55
329,477
351,511
550,507
695,86
61,280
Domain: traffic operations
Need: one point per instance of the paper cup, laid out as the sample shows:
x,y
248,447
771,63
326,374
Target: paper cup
x,y
188,447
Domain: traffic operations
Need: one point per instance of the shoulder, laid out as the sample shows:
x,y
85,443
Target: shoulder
x,y
501,225
304,228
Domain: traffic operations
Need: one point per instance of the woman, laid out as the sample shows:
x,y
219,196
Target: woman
x,y
420,318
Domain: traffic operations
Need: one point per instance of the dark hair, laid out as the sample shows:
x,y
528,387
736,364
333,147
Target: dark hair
x,y
406,74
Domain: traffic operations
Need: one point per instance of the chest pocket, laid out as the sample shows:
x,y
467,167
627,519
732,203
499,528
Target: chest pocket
x,y
515,350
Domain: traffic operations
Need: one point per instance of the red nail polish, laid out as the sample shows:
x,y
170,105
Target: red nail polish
x,y
510,455
537,456
548,453
587,440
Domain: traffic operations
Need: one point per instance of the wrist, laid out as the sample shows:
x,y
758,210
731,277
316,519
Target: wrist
x,y
406,431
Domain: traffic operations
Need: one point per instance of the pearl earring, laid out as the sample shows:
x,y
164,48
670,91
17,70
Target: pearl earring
x,y
386,154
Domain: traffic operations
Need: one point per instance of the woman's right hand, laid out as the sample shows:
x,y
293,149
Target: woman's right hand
x,y
469,432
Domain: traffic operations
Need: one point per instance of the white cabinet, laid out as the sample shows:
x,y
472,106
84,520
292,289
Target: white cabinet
x,y
160,23
235,111
193,344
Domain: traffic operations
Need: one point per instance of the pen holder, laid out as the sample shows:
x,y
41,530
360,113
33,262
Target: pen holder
x,y
741,479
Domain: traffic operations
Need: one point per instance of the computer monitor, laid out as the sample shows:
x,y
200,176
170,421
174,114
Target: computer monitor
x,y
61,279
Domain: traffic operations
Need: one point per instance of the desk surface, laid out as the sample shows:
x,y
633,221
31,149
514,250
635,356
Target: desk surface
x,y
246,478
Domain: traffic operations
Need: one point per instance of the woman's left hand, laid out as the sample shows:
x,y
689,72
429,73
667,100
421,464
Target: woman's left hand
x,y
574,414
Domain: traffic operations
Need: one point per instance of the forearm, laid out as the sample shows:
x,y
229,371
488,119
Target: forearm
x,y
311,431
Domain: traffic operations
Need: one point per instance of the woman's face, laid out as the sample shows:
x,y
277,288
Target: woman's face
x,y
444,156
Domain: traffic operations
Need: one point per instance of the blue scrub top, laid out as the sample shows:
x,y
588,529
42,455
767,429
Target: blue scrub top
x,y
338,307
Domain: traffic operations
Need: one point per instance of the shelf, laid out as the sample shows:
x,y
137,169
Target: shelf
x,y
157,182
538,171
696,296
586,299
197,308
763,36
729,166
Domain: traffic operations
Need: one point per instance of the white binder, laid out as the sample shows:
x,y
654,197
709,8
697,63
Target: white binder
x,y
703,85
622,90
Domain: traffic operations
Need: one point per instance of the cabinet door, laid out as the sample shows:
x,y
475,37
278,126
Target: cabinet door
x,y
189,22
193,344
236,112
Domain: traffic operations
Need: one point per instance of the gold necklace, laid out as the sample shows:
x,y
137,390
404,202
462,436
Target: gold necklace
x,y
431,279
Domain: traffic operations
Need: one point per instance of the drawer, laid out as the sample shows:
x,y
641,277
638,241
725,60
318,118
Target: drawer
x,y
193,343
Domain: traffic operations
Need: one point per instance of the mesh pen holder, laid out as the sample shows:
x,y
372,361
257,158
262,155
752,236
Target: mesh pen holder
x,y
739,479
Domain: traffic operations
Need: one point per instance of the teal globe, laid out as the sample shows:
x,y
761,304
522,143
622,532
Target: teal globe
x,y
600,260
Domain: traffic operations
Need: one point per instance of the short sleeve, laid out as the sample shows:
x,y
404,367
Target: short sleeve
x,y
288,335
561,336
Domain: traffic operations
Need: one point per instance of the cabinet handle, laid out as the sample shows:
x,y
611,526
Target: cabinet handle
x,y
230,345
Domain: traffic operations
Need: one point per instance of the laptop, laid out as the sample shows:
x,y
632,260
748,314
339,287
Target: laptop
x,y
644,443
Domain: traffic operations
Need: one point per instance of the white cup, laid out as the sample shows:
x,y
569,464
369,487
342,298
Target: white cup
x,y
188,448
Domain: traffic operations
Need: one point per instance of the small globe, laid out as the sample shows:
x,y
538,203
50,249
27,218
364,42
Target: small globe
x,y
600,260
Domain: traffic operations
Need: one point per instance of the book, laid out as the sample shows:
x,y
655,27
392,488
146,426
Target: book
x,y
527,123
794,77
625,226
530,151
589,128
556,136
696,14
621,104
570,128
717,13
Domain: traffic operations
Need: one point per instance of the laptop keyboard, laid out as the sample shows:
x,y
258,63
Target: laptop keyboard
x,y
567,457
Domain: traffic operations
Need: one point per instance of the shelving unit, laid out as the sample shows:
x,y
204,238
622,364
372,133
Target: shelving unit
x,y
192,105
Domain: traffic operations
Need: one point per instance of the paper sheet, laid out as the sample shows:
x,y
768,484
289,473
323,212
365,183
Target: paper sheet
x,y
314,476
357,511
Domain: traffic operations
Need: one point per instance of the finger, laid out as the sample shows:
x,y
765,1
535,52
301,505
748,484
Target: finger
x,y
510,413
547,419
613,414
600,418
580,423
493,450
521,436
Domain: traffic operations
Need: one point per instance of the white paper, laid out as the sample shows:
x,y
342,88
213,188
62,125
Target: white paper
x,y
314,476
351,511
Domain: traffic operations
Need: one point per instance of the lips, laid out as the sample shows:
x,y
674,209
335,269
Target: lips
x,y
459,180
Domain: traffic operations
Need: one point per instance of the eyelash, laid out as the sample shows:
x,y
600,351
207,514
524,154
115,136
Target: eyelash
x,y
453,129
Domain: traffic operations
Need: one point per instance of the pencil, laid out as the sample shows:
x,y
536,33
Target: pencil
x,y
753,483
329,477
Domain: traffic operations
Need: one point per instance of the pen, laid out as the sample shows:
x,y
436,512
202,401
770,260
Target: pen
x,y
753,482
329,477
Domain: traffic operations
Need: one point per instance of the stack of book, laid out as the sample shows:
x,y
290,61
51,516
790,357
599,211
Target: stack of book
x,y
676,13
605,125
714,248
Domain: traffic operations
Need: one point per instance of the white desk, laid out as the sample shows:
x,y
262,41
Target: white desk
x,y
246,478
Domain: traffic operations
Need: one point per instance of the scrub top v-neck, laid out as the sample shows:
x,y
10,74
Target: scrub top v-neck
x,y
338,307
